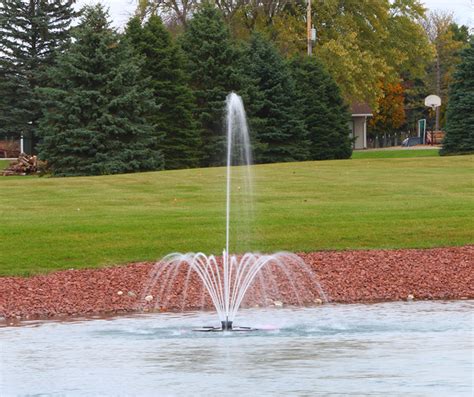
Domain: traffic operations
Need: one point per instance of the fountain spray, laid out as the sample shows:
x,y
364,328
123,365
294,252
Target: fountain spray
x,y
228,282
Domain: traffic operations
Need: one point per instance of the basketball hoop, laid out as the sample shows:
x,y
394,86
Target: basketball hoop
x,y
433,101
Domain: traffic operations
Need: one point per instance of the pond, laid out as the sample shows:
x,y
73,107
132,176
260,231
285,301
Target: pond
x,y
391,349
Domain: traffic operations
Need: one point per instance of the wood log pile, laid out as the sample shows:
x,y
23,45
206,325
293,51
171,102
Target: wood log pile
x,y
435,137
24,165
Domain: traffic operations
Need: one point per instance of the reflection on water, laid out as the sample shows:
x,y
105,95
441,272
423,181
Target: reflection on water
x,y
412,349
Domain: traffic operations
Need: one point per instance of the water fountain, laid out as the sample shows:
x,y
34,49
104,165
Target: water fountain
x,y
228,279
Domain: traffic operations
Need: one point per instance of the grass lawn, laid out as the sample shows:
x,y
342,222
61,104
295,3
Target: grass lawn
x,y
396,153
4,164
59,223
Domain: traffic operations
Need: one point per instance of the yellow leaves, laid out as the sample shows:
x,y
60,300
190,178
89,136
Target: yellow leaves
x,y
356,70
289,34
391,111
359,42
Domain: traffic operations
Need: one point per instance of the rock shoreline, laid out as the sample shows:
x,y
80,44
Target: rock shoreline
x,y
363,276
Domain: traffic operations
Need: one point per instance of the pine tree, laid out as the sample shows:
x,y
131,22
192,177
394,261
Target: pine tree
x,y
460,124
323,110
164,65
276,121
214,70
95,113
32,32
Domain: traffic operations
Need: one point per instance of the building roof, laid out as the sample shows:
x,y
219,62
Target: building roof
x,y
361,109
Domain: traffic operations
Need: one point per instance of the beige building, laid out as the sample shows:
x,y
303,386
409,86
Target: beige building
x,y
358,125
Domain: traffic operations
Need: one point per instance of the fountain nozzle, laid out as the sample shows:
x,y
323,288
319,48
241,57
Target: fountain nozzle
x,y
226,325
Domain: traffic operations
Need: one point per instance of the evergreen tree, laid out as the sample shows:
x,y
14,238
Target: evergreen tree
x,y
164,64
276,121
460,124
214,70
322,109
95,112
31,34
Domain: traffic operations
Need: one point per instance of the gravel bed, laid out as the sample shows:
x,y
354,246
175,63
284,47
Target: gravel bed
x,y
344,276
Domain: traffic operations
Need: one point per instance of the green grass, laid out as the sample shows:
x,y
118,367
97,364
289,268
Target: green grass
x,y
59,223
4,164
396,153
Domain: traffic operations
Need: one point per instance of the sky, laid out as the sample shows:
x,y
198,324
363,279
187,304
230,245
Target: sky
x,y
463,10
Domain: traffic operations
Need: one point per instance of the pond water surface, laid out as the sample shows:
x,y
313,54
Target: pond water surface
x,y
391,349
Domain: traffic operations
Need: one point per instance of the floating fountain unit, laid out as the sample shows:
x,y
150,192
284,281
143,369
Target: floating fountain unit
x,y
228,279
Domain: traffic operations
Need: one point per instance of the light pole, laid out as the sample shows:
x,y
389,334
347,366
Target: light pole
x,y
310,30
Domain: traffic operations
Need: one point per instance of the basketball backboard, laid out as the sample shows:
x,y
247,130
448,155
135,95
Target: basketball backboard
x,y
433,101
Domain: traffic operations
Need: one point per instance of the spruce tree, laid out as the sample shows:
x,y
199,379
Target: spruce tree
x,y
95,113
32,32
164,65
214,70
322,109
460,116
275,120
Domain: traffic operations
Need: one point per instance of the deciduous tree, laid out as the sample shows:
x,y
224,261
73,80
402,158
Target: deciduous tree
x,y
440,30
390,114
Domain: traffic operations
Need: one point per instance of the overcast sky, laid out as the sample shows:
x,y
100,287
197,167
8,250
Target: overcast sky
x,y
463,10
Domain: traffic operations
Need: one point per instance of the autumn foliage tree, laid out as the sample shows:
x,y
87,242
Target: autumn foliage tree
x,y
448,39
390,116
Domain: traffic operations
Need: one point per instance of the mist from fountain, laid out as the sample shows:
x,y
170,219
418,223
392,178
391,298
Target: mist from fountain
x,y
228,279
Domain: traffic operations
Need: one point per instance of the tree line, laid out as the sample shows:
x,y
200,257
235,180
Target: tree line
x,y
96,101
390,54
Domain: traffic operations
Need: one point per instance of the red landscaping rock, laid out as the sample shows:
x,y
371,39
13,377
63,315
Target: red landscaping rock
x,y
345,276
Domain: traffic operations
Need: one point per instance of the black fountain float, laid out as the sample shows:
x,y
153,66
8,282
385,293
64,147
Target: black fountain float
x,y
226,326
